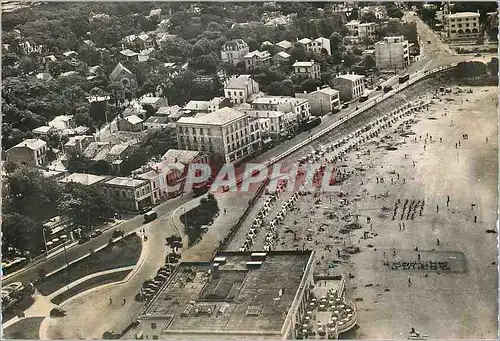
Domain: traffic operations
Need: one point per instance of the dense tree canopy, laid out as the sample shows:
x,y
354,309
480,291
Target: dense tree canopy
x,y
28,198
86,205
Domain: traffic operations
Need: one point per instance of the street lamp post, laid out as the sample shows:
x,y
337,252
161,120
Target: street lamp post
x,y
64,238
45,242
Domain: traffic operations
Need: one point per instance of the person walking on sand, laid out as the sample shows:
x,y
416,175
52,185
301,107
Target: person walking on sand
x,y
124,300
394,253
486,139
438,242
225,210
437,208
441,140
456,145
448,201
409,281
459,143
110,301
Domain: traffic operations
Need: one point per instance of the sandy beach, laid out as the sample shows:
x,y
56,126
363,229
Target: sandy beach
x,y
416,164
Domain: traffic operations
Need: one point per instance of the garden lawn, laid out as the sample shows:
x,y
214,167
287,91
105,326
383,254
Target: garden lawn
x,y
202,215
125,252
24,329
89,284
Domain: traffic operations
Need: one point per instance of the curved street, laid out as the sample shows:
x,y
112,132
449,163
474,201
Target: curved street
x,y
82,316
57,261
81,310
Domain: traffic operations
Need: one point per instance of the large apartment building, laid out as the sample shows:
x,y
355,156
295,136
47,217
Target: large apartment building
x,y
322,101
359,31
307,69
462,26
32,152
228,135
392,53
239,89
351,86
279,124
298,106
234,51
317,45
130,194
257,59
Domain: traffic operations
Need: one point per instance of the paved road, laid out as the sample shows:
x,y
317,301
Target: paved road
x,y
85,313
434,54
164,210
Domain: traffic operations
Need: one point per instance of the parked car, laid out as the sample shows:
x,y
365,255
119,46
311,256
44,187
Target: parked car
x,y
174,241
57,312
163,273
477,54
150,216
177,245
85,238
145,210
13,287
110,335
378,88
152,286
118,233
174,255
148,291
96,233
345,105
161,278
146,282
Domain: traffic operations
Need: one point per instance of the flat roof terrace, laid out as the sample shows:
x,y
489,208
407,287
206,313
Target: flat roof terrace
x,y
244,298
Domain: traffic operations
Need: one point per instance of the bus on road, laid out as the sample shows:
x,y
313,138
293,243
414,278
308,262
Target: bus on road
x,y
404,78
